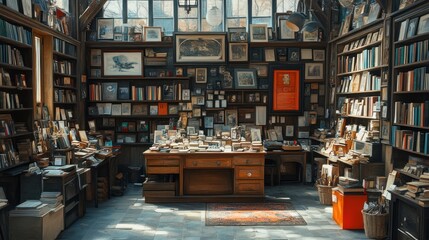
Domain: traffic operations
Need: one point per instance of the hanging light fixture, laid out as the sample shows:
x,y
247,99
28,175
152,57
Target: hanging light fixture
x,y
295,21
188,4
214,16
311,25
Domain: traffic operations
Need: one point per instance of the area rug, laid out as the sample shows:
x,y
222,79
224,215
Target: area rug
x,y
252,214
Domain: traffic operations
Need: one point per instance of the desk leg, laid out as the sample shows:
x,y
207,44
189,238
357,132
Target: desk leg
x,y
95,186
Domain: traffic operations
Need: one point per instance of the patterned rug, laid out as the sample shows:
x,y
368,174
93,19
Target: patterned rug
x,y
252,214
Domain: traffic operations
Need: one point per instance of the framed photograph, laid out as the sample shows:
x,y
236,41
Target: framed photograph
x,y
256,54
270,55
208,122
255,134
231,117
293,54
345,26
105,28
122,64
238,52
152,34
186,94
374,11
237,34
412,27
314,71
245,79
95,57
319,55
423,24
261,69
306,54
308,36
258,33
289,130
246,115
286,89
284,31
201,75
200,48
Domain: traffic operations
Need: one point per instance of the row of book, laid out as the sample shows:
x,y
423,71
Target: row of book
x,y
63,67
364,41
15,32
64,81
368,58
112,91
12,79
62,142
415,52
11,55
414,114
64,47
360,82
416,141
63,114
64,96
128,109
8,154
9,101
361,107
413,80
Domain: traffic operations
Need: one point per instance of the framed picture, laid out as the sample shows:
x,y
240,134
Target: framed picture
x,y
423,24
60,160
270,55
258,33
200,48
306,54
293,54
308,36
412,27
186,94
278,17
238,52
245,79
231,117
256,54
255,134
237,34
95,57
374,11
403,30
105,28
261,69
284,31
122,64
319,55
286,89
152,34
345,26
289,130
201,75
314,71
208,122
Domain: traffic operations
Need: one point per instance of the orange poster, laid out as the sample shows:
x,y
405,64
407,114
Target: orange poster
x,y
286,90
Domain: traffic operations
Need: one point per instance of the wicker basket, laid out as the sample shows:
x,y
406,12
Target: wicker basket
x,y
375,225
325,194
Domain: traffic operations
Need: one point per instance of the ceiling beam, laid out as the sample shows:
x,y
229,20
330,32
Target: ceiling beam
x,y
90,12
320,14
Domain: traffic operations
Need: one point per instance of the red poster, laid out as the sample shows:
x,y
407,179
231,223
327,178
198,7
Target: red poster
x,y
286,90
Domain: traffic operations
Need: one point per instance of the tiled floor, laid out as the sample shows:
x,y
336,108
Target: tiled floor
x,y
129,217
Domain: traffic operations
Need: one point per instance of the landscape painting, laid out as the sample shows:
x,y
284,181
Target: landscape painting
x,y
200,48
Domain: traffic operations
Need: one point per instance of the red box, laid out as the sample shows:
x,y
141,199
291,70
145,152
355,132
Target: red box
x,y
347,209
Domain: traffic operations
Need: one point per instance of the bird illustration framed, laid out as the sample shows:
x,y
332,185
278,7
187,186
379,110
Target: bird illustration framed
x,y
122,64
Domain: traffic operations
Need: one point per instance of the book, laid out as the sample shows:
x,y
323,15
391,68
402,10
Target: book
x,y
123,91
416,186
116,110
126,109
139,109
162,108
110,91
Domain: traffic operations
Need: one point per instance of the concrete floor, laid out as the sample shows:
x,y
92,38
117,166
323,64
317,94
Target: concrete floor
x,y
129,217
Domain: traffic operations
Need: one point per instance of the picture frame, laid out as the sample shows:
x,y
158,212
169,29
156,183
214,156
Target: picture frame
x,y
285,33
152,34
403,30
237,34
238,52
200,75
314,71
122,63
258,33
186,94
412,27
261,69
423,24
318,55
374,12
270,55
256,54
255,134
105,28
345,26
293,54
289,131
286,89
208,122
199,48
60,160
306,54
308,36
95,57
245,79
231,117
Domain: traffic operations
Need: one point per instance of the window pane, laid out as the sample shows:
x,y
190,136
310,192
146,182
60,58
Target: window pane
x,y
167,25
236,13
261,8
112,9
163,9
265,20
188,25
286,5
138,9
214,7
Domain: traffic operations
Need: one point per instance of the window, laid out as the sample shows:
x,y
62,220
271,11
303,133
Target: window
x,y
286,5
262,12
163,15
214,7
187,22
236,13
138,13
112,9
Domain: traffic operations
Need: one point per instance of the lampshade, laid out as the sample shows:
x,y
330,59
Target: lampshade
x,y
295,21
188,4
214,16
310,26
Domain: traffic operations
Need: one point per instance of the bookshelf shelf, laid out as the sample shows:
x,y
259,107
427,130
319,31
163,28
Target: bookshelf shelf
x,y
288,44
361,93
15,110
401,171
17,135
65,87
411,65
63,55
411,92
64,75
133,116
16,88
65,103
378,68
413,152
359,49
138,101
21,163
14,67
15,43
411,126
361,117
412,39
124,45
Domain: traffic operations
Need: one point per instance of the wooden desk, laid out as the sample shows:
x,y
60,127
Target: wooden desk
x,y
289,156
208,176
105,169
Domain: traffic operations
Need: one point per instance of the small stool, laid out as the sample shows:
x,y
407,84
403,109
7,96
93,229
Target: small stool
x,y
270,169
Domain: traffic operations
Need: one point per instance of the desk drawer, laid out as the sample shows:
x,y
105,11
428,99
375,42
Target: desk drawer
x,y
249,172
250,187
162,170
248,160
163,162
208,163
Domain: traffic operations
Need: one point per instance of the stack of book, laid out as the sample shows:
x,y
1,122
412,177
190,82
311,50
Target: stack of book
x,y
53,199
349,185
31,208
419,190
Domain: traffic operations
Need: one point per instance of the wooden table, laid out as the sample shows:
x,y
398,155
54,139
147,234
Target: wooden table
x,y
206,176
281,157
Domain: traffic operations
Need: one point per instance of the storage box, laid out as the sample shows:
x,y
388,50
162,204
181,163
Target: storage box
x,y
347,209
45,227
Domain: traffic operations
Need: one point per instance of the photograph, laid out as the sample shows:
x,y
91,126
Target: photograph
x,y
173,109
139,109
293,54
306,54
310,36
201,75
285,32
318,55
255,134
374,11
238,52
105,28
261,69
245,79
314,71
258,33
345,27
231,117
423,24
152,34
270,55
289,130
95,57
200,48
122,64
208,121
237,34
186,94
